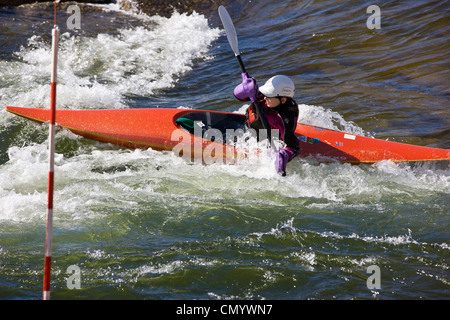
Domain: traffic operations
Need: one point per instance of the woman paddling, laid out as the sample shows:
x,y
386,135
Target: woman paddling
x,y
278,109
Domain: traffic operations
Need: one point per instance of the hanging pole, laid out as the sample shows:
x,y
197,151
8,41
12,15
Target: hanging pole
x,y
51,174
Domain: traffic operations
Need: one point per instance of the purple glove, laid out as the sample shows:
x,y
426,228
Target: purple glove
x,y
248,89
281,160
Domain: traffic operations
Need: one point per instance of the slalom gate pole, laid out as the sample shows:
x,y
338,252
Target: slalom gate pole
x,y
51,174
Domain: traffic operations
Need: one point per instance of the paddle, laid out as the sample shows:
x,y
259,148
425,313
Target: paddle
x,y
233,40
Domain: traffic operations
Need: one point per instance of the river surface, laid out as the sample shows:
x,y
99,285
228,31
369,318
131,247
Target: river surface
x,y
143,224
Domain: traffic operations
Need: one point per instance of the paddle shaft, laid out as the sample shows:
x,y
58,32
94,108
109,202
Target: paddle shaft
x,y
232,39
241,63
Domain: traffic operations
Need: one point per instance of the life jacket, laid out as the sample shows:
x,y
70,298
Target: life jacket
x,y
283,118
272,117
289,113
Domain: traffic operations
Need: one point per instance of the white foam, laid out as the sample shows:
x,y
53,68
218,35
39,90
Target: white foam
x,y
424,176
23,184
326,118
132,8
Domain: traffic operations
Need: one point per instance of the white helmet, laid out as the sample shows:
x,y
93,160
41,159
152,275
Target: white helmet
x,y
278,86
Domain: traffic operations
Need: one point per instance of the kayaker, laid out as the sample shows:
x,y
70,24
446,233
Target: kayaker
x,y
276,98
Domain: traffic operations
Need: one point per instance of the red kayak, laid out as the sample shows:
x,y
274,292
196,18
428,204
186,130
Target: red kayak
x,y
199,132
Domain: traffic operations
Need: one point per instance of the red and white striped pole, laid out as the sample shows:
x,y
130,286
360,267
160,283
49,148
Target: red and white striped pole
x,y
51,174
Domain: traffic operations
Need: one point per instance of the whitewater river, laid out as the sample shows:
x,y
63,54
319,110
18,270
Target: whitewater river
x,y
142,224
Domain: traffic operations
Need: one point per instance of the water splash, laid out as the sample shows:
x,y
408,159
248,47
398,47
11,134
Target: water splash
x,y
102,71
